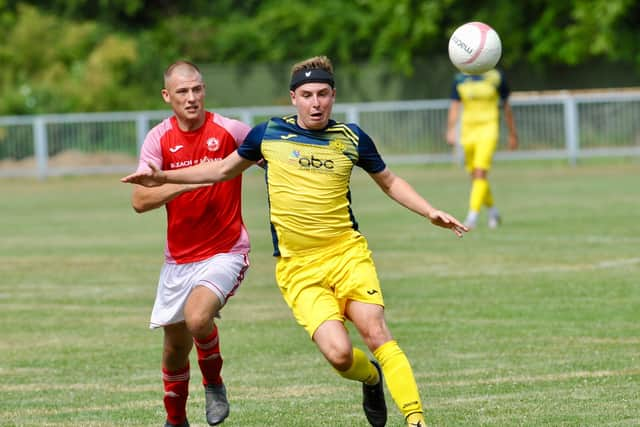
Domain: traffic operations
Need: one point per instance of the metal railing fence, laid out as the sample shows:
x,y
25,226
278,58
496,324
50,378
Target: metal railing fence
x,y
564,125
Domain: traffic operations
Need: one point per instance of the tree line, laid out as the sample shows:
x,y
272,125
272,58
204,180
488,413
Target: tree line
x,y
104,55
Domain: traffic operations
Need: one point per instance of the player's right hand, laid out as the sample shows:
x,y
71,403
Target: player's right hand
x,y
452,136
154,177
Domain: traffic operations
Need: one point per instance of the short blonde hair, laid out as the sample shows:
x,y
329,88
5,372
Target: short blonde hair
x,y
317,62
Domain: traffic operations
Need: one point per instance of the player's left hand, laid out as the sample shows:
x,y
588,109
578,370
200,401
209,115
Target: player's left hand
x,y
444,220
154,177
513,142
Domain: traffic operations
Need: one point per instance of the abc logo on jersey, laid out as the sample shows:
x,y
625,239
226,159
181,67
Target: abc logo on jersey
x,y
314,162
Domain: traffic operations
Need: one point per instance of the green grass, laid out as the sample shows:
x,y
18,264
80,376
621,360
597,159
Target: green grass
x,y
534,324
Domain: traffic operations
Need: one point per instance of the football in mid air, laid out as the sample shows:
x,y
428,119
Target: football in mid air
x,y
475,48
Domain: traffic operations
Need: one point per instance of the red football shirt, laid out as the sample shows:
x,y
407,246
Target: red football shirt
x,y
207,221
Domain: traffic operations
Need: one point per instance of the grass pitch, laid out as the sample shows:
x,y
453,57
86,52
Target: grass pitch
x,y
534,324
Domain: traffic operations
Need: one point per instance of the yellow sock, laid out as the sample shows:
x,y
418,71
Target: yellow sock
x,y
479,188
399,378
361,370
416,420
488,198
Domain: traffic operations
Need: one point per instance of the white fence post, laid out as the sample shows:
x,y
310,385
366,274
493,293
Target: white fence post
x,y
571,129
41,146
142,127
353,115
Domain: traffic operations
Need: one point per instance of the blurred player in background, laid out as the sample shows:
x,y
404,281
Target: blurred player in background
x,y
206,252
324,268
480,97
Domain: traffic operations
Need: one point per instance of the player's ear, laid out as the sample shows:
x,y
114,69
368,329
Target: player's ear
x,y
165,95
292,94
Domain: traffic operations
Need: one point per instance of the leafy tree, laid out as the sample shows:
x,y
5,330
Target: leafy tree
x,y
84,68
401,31
110,54
571,33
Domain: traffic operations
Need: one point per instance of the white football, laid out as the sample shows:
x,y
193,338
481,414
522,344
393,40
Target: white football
x,y
475,48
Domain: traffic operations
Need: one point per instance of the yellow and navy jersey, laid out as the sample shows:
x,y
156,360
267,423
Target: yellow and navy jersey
x,y
308,174
480,95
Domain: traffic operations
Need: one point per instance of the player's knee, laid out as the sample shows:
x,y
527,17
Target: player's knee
x,y
198,324
340,356
341,360
479,173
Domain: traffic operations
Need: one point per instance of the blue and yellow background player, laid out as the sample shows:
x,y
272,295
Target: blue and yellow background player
x,y
476,100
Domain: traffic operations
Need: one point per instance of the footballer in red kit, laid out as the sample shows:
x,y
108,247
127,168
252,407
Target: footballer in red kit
x,y
207,245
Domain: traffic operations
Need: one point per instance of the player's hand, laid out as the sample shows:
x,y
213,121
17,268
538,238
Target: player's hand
x,y
154,177
452,136
444,220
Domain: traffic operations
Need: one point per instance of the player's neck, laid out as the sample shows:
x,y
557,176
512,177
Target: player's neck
x,y
187,125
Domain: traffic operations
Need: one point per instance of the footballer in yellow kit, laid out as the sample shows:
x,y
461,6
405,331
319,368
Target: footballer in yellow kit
x,y
480,96
476,100
313,226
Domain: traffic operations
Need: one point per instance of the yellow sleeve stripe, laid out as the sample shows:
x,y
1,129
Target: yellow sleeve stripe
x,y
346,131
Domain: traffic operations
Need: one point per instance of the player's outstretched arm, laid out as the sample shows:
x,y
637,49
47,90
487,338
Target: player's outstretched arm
x,y
207,172
403,193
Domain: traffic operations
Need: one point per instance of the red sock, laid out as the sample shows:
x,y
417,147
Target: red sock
x,y
176,391
209,358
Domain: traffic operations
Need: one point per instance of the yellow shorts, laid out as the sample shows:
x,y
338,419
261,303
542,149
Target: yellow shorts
x,y
317,286
479,143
